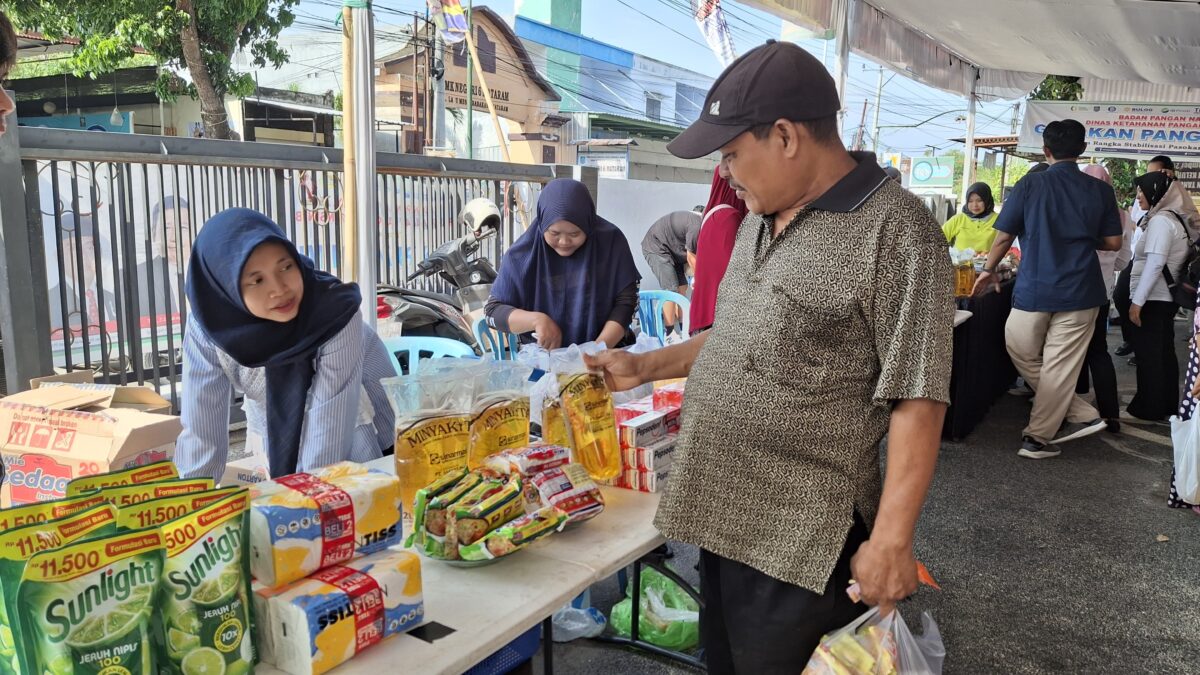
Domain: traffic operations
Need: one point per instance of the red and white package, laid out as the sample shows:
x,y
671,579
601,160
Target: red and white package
x,y
571,490
528,461
643,430
669,395
653,457
653,481
627,411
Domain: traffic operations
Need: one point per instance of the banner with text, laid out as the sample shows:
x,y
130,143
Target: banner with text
x,y
1133,130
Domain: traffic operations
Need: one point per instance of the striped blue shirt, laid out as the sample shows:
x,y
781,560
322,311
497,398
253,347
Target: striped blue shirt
x,y
347,416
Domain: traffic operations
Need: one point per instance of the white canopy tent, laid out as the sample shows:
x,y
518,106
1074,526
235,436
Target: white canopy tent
x,y
993,49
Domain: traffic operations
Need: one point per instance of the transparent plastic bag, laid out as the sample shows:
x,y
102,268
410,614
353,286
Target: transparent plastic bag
x,y
587,406
879,645
1185,437
500,412
572,623
668,616
645,343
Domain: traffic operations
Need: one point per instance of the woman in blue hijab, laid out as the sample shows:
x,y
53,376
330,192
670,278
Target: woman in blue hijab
x,y
266,323
570,278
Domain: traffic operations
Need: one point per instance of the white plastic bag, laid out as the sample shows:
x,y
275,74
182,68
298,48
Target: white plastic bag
x,y
1185,436
880,645
645,343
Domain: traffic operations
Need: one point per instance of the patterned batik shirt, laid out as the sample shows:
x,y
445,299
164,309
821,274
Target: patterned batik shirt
x,y
818,333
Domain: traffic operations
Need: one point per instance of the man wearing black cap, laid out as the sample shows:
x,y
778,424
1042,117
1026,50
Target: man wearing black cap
x,y
819,349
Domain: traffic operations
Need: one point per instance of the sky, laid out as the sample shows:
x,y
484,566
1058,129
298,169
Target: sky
x,y
664,30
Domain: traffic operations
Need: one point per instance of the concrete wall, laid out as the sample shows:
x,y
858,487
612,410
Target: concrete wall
x,y
634,205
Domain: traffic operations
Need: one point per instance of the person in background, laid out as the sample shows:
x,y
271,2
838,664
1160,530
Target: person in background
x,y
1098,363
171,239
1187,407
1062,217
1161,252
973,228
8,61
290,337
1187,205
723,214
665,249
818,350
570,278
693,241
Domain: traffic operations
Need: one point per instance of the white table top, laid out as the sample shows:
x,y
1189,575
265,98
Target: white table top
x,y
490,606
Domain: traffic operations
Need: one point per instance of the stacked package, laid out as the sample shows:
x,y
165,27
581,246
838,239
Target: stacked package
x,y
647,429
327,584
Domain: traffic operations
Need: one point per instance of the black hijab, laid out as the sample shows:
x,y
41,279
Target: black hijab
x,y
989,204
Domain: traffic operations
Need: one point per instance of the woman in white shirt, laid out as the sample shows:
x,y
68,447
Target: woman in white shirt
x,y
1162,249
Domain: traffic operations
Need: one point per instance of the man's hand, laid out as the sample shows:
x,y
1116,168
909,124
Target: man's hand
x,y
622,370
1196,388
549,335
984,281
885,575
1135,315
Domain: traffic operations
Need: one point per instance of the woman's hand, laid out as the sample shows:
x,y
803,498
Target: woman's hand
x,y
549,335
1196,388
1135,315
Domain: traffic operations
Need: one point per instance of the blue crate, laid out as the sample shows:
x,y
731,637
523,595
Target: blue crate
x,y
508,657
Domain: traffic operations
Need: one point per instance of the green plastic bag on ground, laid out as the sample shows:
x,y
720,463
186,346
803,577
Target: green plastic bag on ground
x,y
669,617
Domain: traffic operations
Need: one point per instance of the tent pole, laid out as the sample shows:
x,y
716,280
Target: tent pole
x,y
969,157
348,251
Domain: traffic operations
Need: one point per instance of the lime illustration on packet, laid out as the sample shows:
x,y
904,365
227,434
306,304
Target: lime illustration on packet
x,y
85,608
18,545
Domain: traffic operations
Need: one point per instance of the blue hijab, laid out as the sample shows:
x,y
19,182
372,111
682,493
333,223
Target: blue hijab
x,y
285,350
578,291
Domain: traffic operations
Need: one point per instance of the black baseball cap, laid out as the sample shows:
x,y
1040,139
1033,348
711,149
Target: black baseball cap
x,y
778,80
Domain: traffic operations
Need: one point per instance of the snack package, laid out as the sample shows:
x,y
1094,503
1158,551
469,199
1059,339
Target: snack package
x,y
514,535
588,406
468,523
148,473
669,395
529,460
86,608
657,455
324,620
309,521
40,512
500,413
879,645
434,503
156,511
206,624
127,495
571,490
17,546
433,419
441,540
643,429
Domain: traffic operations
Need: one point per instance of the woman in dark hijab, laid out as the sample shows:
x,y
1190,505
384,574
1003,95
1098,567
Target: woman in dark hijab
x,y
570,278
974,227
265,322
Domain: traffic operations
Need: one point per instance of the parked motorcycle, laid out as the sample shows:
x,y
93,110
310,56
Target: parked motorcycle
x,y
411,311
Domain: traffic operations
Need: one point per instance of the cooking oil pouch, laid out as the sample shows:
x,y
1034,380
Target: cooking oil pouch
x,y
40,512
148,473
206,624
128,495
86,608
514,535
433,420
163,509
500,413
587,405
308,521
17,546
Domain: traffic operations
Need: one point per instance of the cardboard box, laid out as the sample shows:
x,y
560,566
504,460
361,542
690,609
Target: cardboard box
x,y
643,429
43,448
78,390
656,456
245,471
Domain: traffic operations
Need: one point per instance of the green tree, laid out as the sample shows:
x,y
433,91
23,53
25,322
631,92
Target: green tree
x,y
1123,171
1017,169
200,36
1058,88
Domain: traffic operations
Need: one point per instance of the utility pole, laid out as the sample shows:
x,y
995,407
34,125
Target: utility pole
x,y
878,103
1016,112
862,127
470,91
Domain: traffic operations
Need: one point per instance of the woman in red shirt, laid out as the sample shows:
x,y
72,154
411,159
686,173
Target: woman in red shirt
x,y
722,216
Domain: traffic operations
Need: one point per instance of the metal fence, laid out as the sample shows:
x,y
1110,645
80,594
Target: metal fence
x,y
96,249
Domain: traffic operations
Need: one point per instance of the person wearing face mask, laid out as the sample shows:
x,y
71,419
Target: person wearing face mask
x,y
264,321
8,61
973,228
570,278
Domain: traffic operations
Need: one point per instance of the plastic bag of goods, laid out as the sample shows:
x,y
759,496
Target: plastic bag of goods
x,y
308,521
588,407
500,413
86,608
17,546
433,419
668,616
148,473
571,490
325,620
881,645
645,343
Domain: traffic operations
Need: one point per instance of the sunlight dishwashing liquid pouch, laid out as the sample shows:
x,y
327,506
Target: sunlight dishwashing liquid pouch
x,y
147,473
158,511
85,608
40,512
18,545
206,625
128,495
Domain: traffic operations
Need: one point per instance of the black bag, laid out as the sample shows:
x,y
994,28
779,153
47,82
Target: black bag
x,y
1183,290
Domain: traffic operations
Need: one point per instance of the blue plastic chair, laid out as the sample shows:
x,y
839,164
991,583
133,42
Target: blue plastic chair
x,y
650,307
407,351
502,346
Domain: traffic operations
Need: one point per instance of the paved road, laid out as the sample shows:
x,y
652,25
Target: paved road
x,y
1050,566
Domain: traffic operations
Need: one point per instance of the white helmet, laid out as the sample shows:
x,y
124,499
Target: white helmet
x,y
480,214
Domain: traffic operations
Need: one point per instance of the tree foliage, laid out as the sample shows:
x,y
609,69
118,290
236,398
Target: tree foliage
x,y
1058,88
109,31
